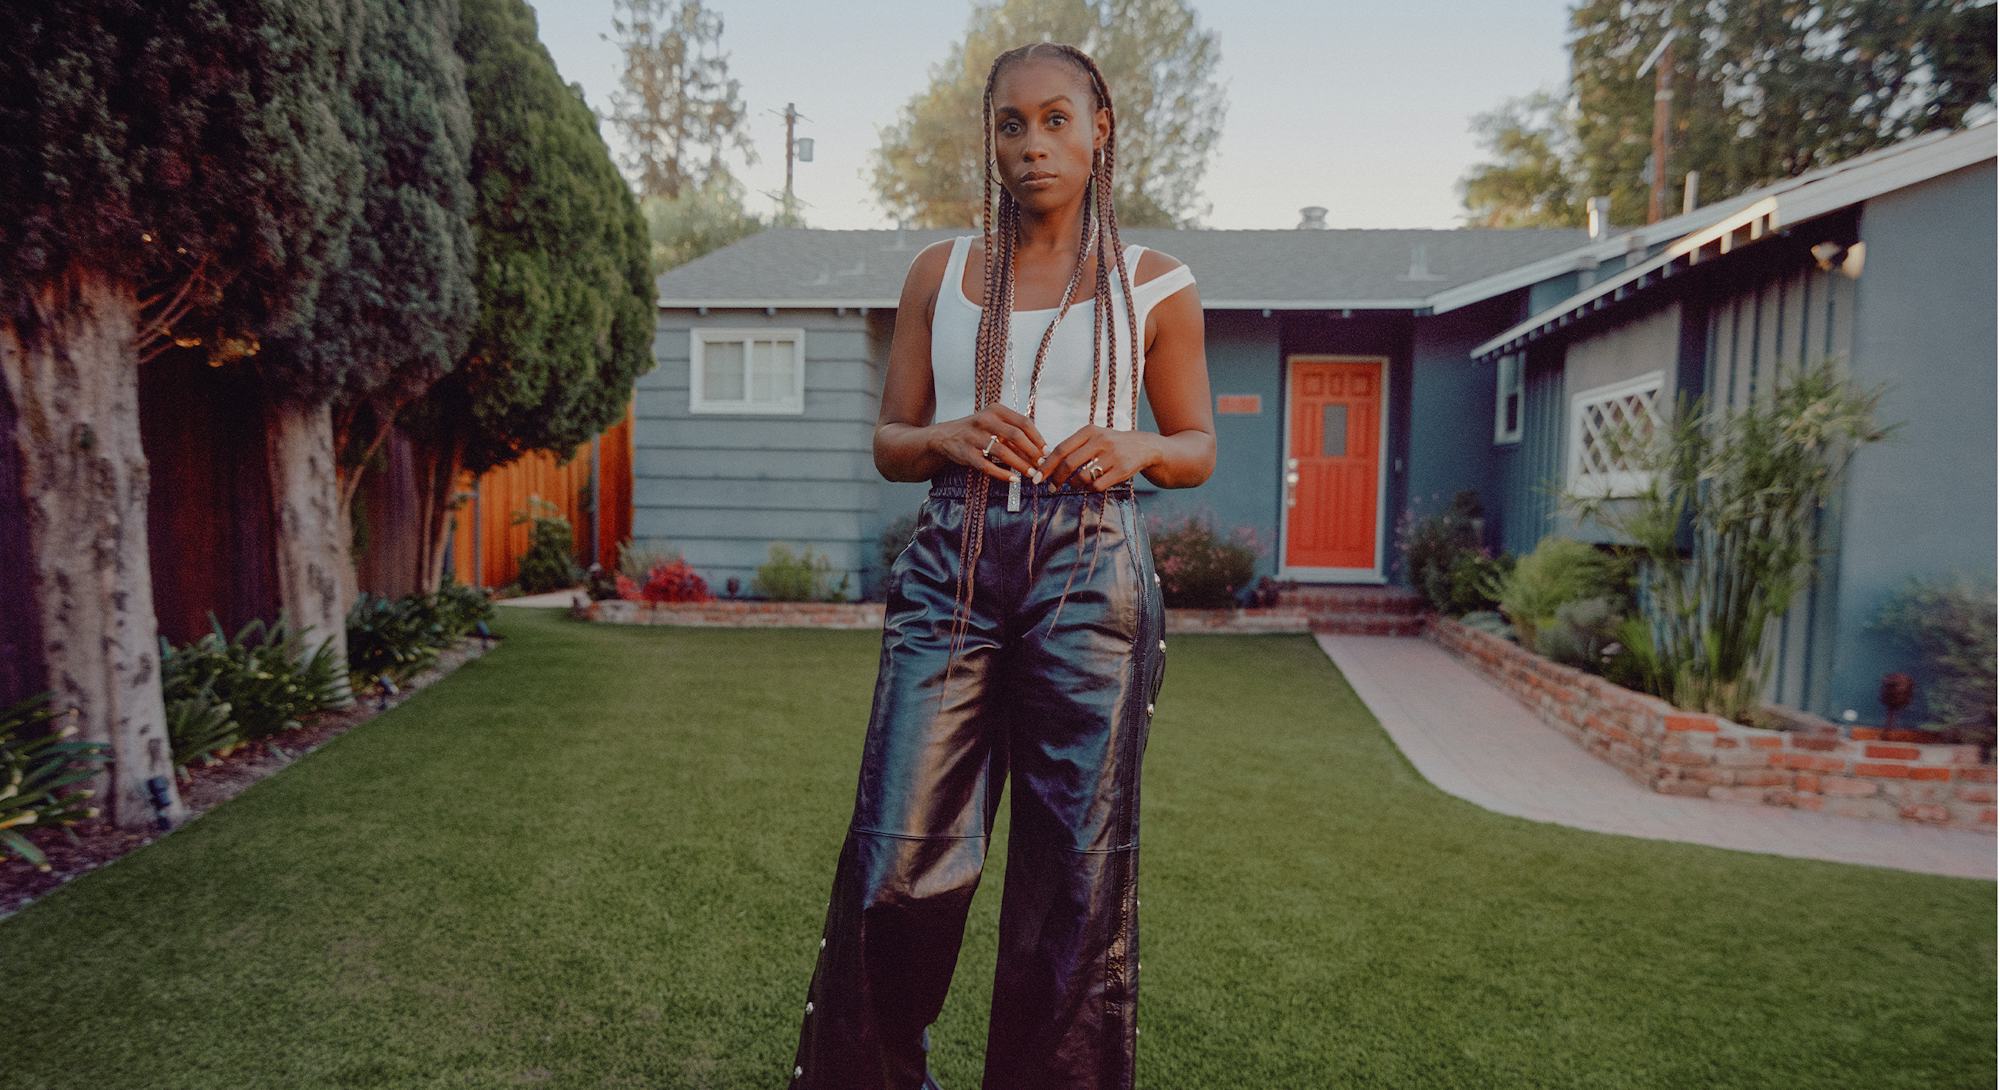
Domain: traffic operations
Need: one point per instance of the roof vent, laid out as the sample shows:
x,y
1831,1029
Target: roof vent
x,y
1420,268
1312,218
1599,215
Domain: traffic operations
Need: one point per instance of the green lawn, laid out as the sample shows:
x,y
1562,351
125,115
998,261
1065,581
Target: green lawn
x,y
599,857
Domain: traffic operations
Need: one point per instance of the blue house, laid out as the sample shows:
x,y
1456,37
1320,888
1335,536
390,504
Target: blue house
x,y
1362,374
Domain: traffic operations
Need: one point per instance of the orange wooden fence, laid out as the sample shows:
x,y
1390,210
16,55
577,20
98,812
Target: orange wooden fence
x,y
486,544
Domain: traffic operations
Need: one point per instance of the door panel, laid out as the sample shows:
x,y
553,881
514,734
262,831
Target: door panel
x,y
1336,412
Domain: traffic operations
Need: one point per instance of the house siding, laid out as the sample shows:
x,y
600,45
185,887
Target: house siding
x,y
721,488
1921,503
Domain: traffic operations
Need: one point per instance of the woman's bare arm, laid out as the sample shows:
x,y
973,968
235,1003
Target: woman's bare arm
x,y
1177,389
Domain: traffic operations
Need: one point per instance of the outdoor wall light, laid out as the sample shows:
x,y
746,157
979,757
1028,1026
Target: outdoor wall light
x,y
384,689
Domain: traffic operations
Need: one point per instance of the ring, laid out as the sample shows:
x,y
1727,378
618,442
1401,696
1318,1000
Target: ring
x,y
988,452
1091,467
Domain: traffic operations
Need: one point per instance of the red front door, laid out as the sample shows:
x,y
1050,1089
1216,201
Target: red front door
x,y
1336,451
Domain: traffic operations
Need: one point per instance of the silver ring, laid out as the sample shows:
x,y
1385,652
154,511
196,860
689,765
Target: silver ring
x,y
988,452
1091,467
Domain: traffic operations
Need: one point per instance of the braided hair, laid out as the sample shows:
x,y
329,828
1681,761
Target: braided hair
x,y
1001,233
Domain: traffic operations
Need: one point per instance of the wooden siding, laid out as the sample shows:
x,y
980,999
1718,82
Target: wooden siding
x,y
486,545
1758,335
1530,467
722,488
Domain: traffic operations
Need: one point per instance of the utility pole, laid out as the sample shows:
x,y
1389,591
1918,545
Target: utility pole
x,y
801,148
1663,97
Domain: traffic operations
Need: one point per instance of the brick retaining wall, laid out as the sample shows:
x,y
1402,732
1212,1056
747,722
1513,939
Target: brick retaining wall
x,y
731,613
1682,753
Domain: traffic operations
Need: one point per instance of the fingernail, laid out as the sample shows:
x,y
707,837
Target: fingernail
x,y
1038,476
1042,459
1013,476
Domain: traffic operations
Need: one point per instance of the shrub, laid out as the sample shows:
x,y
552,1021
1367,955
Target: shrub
x,y
1431,547
636,560
1747,483
1196,566
40,765
391,637
798,577
262,674
1559,570
669,581
1583,633
1472,572
1950,621
550,562
457,609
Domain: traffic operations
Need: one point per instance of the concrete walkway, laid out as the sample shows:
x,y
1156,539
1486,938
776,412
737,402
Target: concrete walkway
x,y
555,599
1475,740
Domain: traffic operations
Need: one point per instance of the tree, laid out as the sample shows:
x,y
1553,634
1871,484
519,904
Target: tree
x,y
393,316
162,161
1763,90
677,96
699,221
1533,182
565,321
1157,63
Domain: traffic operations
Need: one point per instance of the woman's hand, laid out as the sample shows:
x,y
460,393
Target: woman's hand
x,y
1121,452
965,439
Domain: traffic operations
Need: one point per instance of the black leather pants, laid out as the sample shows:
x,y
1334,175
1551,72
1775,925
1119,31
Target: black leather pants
x,y
1064,702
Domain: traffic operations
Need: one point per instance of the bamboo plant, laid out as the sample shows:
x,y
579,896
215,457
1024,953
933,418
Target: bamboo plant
x,y
1747,483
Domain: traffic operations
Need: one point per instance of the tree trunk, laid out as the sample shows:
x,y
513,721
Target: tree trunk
x,y
437,460
75,391
312,537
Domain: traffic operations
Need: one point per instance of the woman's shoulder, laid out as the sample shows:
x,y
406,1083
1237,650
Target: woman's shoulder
x,y
1154,264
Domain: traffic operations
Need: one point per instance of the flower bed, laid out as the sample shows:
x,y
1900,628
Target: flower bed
x,y
1861,774
742,614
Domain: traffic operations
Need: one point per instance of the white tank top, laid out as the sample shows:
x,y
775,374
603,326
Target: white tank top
x,y
1062,397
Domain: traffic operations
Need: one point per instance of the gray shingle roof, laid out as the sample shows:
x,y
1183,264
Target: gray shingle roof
x,y
1336,267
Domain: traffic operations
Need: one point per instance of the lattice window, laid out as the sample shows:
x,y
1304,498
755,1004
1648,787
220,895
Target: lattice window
x,y
1595,416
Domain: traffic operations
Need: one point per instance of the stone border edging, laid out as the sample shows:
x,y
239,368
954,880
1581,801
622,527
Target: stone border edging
x,y
1705,756
733,613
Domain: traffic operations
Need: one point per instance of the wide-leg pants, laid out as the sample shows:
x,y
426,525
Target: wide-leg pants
x,y
1062,701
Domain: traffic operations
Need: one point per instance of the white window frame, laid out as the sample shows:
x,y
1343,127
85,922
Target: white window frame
x,y
698,400
1617,482
1507,382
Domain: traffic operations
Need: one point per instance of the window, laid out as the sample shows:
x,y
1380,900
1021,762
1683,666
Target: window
x,y
1507,399
747,371
1594,416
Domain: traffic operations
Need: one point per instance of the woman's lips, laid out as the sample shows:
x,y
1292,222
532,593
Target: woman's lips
x,y
1040,182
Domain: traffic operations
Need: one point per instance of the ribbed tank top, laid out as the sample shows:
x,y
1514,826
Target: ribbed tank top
x,y
1062,398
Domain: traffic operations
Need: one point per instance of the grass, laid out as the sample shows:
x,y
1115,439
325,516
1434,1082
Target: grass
x,y
599,857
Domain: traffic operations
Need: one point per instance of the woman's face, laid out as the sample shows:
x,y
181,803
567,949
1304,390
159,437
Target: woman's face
x,y
1044,132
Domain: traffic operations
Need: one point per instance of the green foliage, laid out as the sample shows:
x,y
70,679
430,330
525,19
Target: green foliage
x,y
1560,570
1950,621
457,609
701,220
262,675
1197,566
1472,573
1431,546
1757,68
1158,64
550,562
1748,482
187,150
636,560
395,638
1583,633
39,768
565,290
804,576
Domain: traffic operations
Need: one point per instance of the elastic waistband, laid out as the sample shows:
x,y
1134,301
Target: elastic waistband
x,y
952,486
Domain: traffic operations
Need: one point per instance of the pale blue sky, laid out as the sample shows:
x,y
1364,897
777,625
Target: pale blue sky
x,y
1361,107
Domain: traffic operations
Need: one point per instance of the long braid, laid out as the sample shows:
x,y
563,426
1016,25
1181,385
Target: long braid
x,y
990,356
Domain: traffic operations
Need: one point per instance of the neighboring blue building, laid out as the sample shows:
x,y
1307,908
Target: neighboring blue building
x,y
1360,374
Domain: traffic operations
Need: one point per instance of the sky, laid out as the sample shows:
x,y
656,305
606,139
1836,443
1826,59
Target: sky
x,y
1363,108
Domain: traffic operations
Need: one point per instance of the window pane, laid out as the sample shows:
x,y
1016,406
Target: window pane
x,y
722,370
1333,429
770,371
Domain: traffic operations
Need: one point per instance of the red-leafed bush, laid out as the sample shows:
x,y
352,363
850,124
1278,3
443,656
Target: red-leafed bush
x,y
671,581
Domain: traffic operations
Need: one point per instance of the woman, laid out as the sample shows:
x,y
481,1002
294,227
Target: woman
x,y
1024,629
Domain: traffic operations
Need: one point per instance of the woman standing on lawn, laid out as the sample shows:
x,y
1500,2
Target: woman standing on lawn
x,y
1024,626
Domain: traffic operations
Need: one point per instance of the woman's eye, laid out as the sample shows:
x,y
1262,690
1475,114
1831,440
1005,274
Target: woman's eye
x,y
1056,117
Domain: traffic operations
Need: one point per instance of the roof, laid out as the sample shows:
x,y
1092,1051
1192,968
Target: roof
x,y
1286,269
1710,232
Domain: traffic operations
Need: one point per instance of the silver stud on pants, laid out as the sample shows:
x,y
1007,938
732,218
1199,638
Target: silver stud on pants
x,y
1062,703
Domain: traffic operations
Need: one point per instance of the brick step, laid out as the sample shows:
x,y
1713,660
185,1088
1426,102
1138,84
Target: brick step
x,y
1347,599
